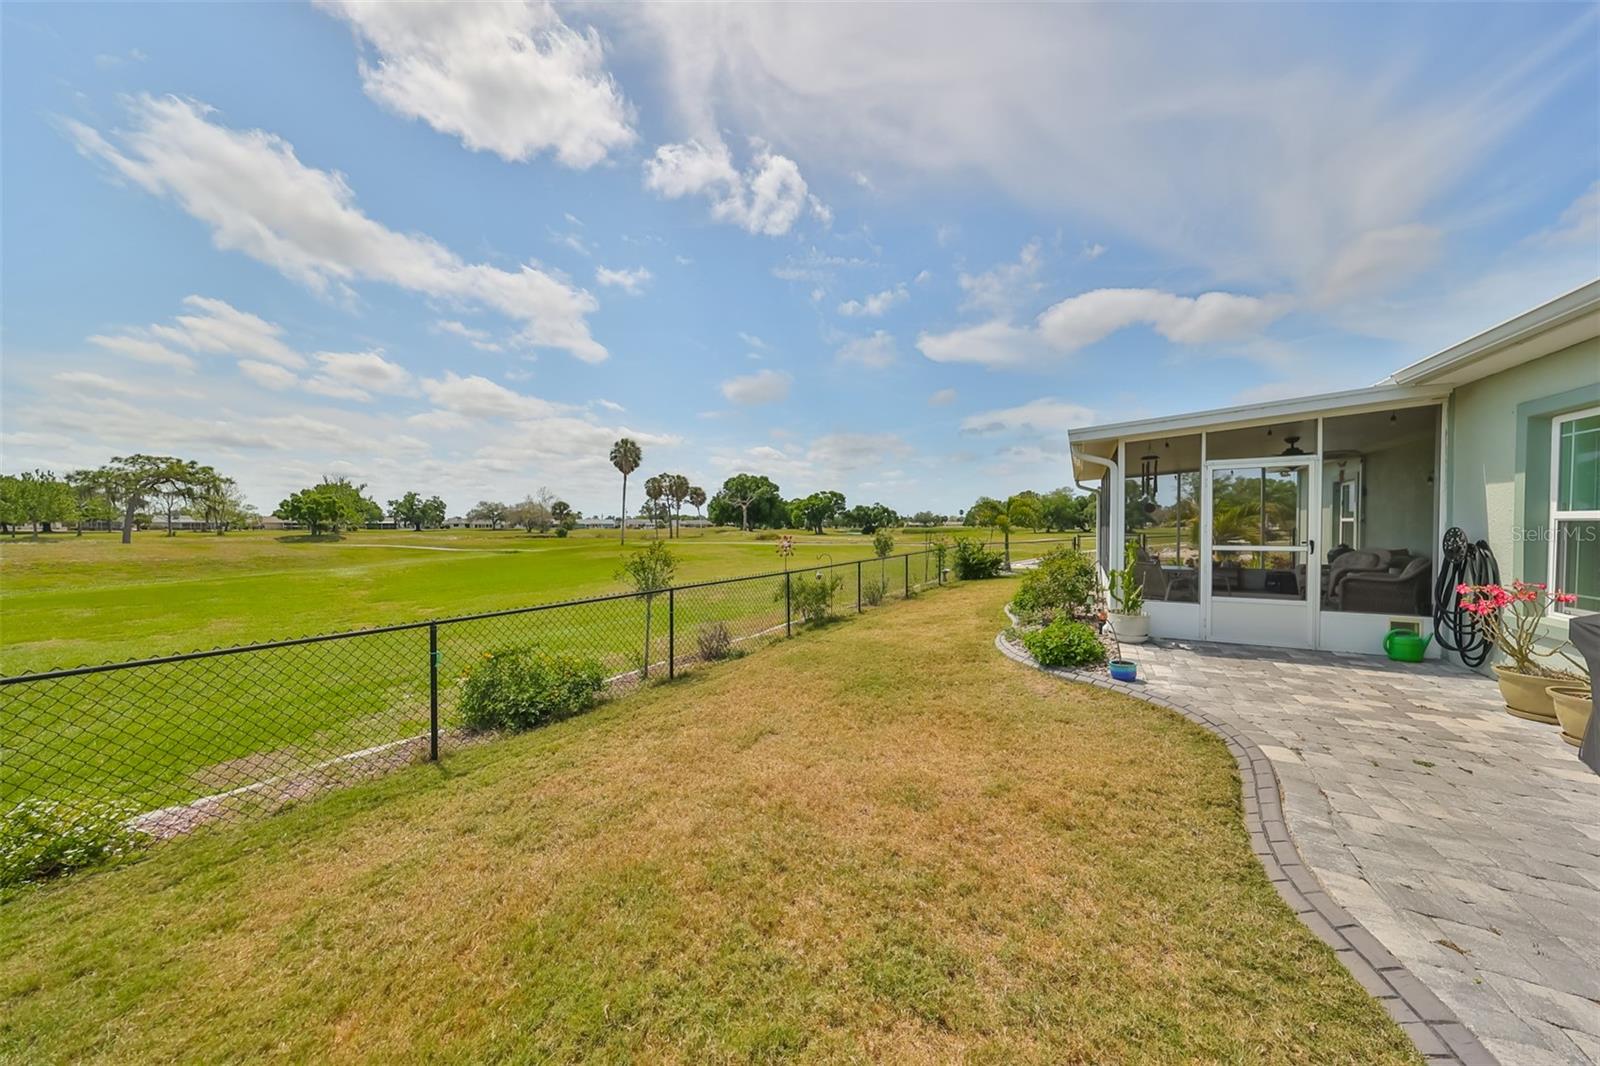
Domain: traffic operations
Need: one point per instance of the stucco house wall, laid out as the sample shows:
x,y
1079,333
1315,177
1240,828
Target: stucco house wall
x,y
1499,470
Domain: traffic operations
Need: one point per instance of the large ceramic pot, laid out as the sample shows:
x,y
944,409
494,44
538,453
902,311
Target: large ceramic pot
x,y
1528,695
1573,705
1130,628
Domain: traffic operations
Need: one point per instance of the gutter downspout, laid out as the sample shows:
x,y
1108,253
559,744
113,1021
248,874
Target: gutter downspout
x,y
1112,473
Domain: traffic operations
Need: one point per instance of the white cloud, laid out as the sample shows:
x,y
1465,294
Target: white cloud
x,y
1580,222
219,328
1007,286
1093,251
611,405
1178,135
1378,260
1210,317
268,375
875,305
479,338
764,386
143,349
260,199
630,281
942,398
1042,416
509,78
854,451
357,375
478,397
766,198
997,343
88,379
876,351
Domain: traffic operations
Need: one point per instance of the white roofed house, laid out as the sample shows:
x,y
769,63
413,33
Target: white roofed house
x,y
1320,521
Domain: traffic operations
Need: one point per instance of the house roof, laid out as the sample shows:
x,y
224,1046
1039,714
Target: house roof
x,y
1564,321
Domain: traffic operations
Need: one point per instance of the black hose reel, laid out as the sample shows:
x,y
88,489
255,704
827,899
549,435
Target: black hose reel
x,y
1465,563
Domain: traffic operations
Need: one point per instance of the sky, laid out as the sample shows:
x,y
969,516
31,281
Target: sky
x,y
891,250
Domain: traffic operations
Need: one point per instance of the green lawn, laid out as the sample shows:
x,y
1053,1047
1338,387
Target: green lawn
x,y
165,735
880,841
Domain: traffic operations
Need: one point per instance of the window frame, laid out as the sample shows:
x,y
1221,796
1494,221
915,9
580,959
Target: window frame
x,y
1558,516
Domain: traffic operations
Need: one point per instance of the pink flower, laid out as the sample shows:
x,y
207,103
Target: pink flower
x,y
1566,597
1463,590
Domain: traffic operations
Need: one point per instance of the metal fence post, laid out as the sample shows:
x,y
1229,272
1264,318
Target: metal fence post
x,y
433,692
858,586
672,634
788,612
908,575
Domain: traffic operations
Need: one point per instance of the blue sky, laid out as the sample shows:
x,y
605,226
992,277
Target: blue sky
x,y
894,251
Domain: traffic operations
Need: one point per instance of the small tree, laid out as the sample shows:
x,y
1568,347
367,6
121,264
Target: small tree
x,y
650,571
697,499
882,545
490,511
134,479
1021,510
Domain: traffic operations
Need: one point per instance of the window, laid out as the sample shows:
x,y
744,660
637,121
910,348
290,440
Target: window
x,y
1575,509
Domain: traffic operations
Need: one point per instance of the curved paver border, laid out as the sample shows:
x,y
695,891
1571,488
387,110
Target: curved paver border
x,y
1433,1027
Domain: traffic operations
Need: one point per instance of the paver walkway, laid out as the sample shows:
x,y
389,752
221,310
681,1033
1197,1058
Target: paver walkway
x,y
1465,840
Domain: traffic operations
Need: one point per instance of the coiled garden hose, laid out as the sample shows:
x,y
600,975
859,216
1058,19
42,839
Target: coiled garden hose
x,y
1465,563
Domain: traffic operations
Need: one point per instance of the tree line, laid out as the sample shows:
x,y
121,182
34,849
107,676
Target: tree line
x,y
120,493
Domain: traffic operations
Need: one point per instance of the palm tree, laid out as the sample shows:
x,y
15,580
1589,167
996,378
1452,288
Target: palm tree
x,y
626,457
697,497
1019,510
678,489
654,489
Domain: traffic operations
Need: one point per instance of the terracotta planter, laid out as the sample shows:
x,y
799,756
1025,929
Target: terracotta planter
x,y
1130,628
1573,704
1528,695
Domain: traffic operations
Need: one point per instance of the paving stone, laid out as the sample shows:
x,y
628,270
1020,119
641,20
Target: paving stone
x,y
1411,802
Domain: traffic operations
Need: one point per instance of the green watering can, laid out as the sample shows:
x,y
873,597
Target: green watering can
x,y
1405,646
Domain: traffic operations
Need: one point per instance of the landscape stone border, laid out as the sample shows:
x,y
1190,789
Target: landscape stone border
x,y
1433,1027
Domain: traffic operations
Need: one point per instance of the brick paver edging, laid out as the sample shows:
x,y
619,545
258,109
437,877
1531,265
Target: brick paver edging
x,y
1432,1026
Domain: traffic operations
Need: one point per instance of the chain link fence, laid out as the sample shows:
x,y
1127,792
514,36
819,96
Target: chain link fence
x,y
182,740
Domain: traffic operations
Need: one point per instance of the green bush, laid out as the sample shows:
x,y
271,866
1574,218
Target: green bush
x,y
519,688
873,590
1065,643
1064,583
973,561
811,598
41,838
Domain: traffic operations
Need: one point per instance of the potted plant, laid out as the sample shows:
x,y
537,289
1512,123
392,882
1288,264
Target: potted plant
x,y
1511,617
1573,705
1127,618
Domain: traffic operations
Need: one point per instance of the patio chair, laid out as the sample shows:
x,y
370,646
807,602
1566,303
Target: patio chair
x,y
1366,561
1404,591
1159,585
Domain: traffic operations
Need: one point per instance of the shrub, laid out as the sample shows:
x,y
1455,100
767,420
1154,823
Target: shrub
x,y
561,531
882,543
973,561
1064,583
811,598
41,838
873,591
716,643
519,688
1065,643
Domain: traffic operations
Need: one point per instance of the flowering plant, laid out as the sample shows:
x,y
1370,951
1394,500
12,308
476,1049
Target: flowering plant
x,y
1511,617
785,549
